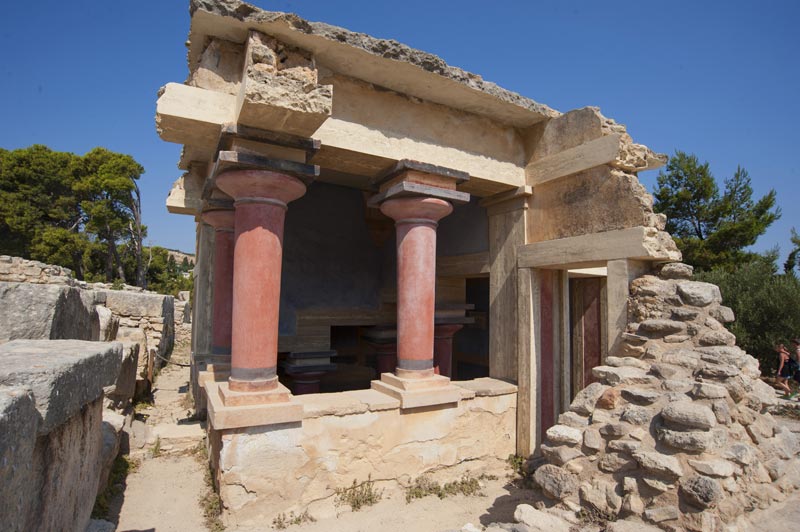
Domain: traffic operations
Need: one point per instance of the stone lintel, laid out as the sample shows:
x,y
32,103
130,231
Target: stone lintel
x,y
233,160
499,201
406,168
415,393
241,416
409,189
233,131
590,250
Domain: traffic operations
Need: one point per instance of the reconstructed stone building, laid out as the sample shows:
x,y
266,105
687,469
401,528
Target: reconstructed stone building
x,y
392,255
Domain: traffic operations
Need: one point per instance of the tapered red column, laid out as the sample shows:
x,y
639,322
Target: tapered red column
x,y
416,221
261,199
222,220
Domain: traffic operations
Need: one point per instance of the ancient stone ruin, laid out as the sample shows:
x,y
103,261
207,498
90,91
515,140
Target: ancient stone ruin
x,y
676,430
73,357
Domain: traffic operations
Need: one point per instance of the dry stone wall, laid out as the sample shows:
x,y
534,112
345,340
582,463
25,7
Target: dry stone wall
x,y
19,270
676,431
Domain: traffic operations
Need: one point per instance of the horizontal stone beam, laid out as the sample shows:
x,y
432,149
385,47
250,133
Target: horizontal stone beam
x,y
597,152
594,250
469,265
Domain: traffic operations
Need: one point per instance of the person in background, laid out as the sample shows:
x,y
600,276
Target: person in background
x,y
786,369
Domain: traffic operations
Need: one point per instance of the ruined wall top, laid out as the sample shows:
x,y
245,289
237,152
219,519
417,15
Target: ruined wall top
x,y
384,62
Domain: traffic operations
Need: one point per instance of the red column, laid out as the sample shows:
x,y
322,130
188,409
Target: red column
x,y
261,199
222,222
443,347
416,221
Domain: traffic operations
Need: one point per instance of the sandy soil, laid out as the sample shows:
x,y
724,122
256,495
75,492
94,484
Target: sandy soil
x,y
429,514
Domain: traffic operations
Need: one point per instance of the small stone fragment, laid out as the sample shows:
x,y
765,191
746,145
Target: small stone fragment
x,y
698,294
636,415
706,390
661,514
688,414
700,491
555,482
537,520
562,434
676,270
640,396
584,402
659,463
592,439
609,400
713,468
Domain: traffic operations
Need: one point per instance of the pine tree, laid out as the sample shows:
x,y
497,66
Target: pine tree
x,y
711,229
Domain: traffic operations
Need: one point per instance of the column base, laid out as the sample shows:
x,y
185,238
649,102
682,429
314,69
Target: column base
x,y
418,392
229,410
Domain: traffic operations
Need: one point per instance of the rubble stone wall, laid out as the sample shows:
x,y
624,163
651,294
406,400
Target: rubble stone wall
x,y
19,270
51,430
355,436
676,432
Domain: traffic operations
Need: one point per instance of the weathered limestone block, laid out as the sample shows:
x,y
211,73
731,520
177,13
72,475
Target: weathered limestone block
x,y
556,482
720,337
600,496
689,415
676,270
64,375
662,514
562,434
50,431
108,324
700,491
123,390
46,311
636,415
537,520
713,468
658,328
18,428
640,396
659,463
280,89
699,294
625,375
585,400
723,314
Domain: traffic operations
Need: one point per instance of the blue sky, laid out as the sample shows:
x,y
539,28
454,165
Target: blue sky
x,y
720,79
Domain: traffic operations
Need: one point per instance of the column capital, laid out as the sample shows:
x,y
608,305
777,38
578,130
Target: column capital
x,y
249,184
219,214
418,209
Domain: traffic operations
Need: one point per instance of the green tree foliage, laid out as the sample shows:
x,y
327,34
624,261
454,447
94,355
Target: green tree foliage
x,y
164,275
711,228
766,304
791,260
82,212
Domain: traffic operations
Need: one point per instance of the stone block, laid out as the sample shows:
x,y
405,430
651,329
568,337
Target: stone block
x,y
539,521
230,417
699,294
556,482
45,311
659,463
688,414
586,399
64,375
19,422
416,393
124,388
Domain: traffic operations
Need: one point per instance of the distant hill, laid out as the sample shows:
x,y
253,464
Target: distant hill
x,y
180,255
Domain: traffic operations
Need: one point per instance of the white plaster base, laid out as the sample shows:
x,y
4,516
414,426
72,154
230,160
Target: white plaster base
x,y
268,470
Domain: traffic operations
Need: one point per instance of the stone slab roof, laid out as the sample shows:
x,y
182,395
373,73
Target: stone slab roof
x,y
383,62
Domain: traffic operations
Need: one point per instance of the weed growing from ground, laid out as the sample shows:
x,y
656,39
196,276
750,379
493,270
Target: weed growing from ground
x,y
468,485
520,474
358,495
211,504
284,521
155,452
123,465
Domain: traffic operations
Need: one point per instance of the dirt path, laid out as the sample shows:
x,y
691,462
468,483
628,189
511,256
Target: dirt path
x,y
164,490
